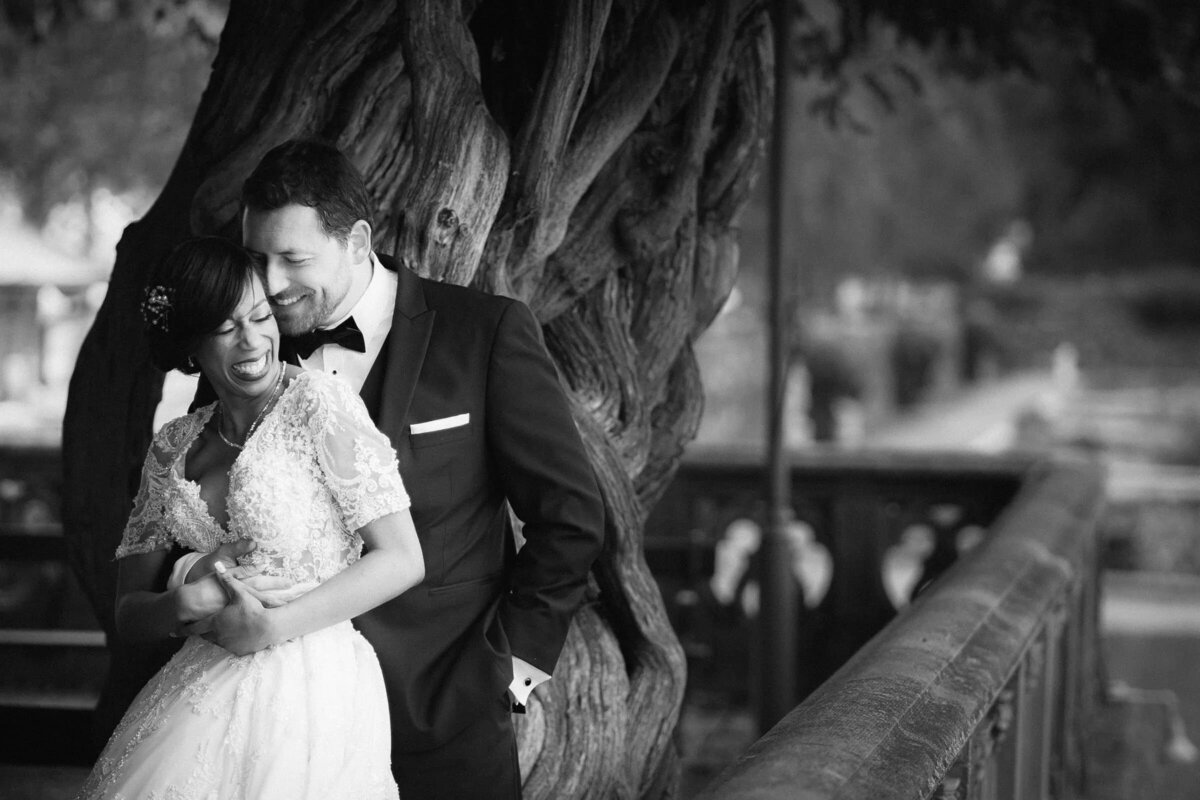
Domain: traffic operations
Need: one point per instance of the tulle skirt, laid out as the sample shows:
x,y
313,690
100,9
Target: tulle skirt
x,y
304,719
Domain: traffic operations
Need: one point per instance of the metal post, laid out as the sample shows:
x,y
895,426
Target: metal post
x,y
777,612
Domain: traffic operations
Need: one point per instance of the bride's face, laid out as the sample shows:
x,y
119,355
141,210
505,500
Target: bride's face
x,y
240,358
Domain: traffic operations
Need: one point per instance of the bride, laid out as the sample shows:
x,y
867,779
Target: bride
x,y
295,707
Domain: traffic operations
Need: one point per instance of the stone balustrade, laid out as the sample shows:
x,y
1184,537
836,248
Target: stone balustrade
x,y
984,687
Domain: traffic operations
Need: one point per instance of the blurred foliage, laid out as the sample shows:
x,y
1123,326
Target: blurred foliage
x,y
1168,302
921,188
1109,318
34,21
912,150
1123,43
98,94
931,125
1110,183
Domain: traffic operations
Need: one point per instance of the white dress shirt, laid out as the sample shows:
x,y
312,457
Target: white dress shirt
x,y
373,316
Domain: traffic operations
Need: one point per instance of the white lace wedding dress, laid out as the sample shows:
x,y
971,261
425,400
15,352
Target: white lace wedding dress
x,y
304,719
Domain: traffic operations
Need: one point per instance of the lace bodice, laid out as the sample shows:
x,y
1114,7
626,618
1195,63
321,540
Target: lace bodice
x,y
313,472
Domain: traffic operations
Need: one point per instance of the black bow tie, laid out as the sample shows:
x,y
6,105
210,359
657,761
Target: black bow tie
x,y
346,335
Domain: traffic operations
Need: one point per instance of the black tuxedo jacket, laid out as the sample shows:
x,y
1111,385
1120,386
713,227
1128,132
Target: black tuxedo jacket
x,y
445,645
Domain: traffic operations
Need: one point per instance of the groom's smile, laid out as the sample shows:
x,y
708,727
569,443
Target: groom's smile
x,y
293,312
308,272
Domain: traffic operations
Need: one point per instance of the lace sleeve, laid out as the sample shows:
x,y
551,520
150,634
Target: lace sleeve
x,y
146,529
357,460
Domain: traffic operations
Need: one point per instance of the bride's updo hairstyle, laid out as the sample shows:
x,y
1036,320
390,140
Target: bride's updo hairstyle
x,y
189,295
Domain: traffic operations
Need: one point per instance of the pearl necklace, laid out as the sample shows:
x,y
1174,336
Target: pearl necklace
x,y
253,425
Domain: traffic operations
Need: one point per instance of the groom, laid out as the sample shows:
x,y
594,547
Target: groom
x,y
462,384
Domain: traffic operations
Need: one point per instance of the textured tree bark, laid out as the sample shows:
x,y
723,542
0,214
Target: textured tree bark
x,y
589,158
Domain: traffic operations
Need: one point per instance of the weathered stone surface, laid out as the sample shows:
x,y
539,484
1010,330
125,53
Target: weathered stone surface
x,y
896,717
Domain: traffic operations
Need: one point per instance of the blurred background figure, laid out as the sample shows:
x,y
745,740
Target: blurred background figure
x,y
1004,262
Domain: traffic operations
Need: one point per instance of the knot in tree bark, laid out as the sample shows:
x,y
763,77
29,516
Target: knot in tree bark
x,y
448,226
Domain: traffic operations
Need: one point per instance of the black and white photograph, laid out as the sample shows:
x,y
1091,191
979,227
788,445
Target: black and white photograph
x,y
599,400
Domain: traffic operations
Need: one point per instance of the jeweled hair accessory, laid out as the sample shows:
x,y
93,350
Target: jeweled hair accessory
x,y
156,307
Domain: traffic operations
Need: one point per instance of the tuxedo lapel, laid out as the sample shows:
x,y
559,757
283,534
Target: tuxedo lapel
x,y
407,343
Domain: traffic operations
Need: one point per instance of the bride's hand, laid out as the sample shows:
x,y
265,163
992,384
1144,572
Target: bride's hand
x,y
199,600
204,598
243,626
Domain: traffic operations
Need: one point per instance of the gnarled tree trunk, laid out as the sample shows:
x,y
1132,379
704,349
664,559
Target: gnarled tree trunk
x,y
588,157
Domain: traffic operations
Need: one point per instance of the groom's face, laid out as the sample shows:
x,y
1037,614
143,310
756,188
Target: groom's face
x,y
306,271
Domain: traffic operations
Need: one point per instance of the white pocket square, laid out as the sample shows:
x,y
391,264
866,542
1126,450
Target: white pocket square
x,y
458,420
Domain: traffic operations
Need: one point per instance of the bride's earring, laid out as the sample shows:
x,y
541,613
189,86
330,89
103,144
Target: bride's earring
x,y
191,363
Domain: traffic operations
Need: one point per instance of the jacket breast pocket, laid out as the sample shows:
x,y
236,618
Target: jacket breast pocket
x,y
433,438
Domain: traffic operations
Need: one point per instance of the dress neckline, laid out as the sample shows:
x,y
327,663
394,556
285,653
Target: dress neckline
x,y
202,417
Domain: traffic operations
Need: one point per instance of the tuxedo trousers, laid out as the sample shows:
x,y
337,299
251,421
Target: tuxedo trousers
x,y
479,763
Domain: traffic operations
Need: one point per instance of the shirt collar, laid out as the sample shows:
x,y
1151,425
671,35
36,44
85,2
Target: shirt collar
x,y
374,307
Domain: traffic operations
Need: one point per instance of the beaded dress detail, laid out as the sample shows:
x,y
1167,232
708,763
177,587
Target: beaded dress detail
x,y
307,718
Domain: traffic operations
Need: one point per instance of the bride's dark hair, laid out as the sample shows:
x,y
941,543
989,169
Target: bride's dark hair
x,y
189,294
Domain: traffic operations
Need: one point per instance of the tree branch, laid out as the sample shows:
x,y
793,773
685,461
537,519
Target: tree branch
x,y
448,201
559,176
646,231
261,92
620,108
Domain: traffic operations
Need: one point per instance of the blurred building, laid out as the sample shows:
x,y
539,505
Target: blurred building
x,y
48,300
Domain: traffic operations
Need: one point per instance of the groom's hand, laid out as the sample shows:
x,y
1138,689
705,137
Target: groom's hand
x,y
271,590
227,554
199,600
243,625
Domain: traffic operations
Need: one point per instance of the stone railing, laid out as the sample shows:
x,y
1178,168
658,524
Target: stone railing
x,y
871,529
983,687
982,681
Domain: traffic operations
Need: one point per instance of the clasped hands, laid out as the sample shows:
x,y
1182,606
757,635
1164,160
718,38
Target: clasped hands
x,y
229,604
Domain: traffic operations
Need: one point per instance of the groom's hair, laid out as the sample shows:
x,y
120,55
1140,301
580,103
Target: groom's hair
x,y
310,173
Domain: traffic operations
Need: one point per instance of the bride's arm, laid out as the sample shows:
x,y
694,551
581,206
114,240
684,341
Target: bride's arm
x,y
391,565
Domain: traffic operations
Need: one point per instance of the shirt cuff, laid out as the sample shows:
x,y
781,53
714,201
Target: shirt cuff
x,y
180,570
526,678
